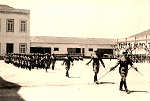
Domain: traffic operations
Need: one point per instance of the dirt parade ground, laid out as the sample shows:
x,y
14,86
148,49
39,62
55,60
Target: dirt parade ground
x,y
18,84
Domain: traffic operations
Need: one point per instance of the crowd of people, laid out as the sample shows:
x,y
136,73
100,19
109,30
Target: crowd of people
x,y
31,61
137,53
39,61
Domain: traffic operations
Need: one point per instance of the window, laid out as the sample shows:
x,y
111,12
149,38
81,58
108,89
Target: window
x,y
78,50
22,47
105,51
56,49
74,50
10,25
91,49
23,26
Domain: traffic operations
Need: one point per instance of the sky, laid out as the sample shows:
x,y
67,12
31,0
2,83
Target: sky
x,y
85,18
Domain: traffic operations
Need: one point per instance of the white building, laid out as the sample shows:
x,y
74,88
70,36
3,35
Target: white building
x,y
65,45
14,30
15,37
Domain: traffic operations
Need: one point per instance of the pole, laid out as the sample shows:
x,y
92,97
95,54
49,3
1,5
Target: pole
x,y
146,48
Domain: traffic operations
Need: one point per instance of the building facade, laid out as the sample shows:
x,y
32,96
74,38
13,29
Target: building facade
x,y
15,37
14,30
70,45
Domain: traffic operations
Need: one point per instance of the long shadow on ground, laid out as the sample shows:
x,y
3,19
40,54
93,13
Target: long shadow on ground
x,y
106,83
8,91
139,91
99,83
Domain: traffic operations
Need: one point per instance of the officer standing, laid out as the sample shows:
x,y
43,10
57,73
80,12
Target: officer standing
x,y
124,61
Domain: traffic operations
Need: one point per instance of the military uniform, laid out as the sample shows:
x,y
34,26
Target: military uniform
x,y
96,65
53,61
67,62
123,61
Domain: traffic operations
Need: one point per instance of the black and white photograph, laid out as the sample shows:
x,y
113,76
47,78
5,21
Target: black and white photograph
x,y
74,50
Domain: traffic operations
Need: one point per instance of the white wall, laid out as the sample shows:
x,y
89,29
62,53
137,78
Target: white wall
x,y
15,37
63,47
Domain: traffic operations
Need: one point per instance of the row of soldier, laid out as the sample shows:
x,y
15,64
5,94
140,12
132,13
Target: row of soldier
x,y
36,60
31,61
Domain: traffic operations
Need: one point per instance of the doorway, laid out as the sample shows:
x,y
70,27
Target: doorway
x,y
9,48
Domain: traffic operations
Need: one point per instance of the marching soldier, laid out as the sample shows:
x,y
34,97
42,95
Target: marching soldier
x,y
67,62
7,58
53,61
96,64
47,61
124,61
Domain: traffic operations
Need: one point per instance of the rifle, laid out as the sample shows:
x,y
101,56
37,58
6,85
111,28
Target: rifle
x,y
104,75
135,68
114,69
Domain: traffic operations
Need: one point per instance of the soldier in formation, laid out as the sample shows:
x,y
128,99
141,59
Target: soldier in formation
x,y
29,61
53,61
